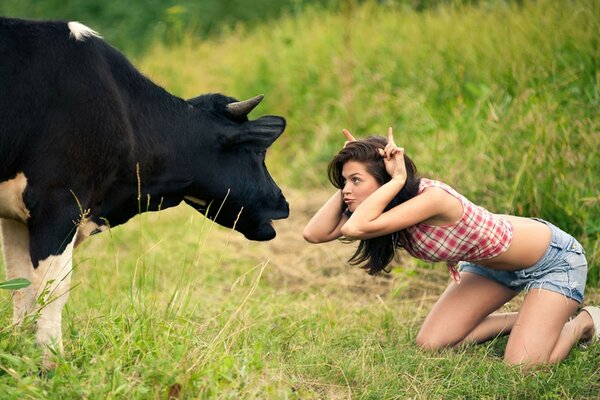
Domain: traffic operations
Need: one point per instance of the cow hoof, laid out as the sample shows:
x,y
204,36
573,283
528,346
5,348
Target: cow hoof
x,y
48,365
51,353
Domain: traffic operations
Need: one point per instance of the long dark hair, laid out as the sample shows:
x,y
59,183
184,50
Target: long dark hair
x,y
375,254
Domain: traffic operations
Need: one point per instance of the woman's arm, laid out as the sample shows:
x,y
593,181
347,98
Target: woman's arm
x,y
327,223
369,220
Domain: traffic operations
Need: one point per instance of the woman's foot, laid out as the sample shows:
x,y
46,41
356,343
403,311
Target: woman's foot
x,y
593,332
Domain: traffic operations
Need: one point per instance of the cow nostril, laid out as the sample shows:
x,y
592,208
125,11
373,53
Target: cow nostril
x,y
283,209
286,206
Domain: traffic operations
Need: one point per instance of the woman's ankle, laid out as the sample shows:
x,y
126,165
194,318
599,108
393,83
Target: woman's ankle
x,y
585,321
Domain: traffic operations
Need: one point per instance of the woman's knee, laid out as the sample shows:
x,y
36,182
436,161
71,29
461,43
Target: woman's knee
x,y
432,341
526,356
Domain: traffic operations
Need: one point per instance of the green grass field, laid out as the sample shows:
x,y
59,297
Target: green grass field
x,y
500,100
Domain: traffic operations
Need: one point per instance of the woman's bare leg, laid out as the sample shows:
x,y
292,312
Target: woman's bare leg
x,y
494,325
579,328
541,333
462,313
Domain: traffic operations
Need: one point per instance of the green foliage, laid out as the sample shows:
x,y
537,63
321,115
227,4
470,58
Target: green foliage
x,y
15,284
132,25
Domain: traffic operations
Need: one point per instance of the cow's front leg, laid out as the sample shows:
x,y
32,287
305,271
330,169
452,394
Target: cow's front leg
x,y
52,282
52,227
15,247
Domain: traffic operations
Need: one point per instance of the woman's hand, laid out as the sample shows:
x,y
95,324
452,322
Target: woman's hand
x,y
349,137
393,158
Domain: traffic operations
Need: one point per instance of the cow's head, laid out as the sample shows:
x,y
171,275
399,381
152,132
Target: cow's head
x,y
232,185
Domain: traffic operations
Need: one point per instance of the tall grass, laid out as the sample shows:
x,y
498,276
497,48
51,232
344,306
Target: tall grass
x,y
499,100
173,304
133,25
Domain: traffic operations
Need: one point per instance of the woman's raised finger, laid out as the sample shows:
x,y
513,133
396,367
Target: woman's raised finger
x,y
348,135
391,136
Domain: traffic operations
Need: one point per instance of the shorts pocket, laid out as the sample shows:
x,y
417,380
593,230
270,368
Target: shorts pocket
x,y
575,259
575,247
567,243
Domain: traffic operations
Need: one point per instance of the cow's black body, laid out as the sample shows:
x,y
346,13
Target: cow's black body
x,y
89,132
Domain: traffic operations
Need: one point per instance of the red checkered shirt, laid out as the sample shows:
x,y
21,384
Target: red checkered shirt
x,y
478,234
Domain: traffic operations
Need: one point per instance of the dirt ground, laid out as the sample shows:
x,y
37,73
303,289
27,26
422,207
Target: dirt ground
x,y
300,264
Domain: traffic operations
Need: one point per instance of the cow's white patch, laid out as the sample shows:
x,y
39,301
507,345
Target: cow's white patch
x,y
11,198
17,262
49,290
195,200
80,32
52,282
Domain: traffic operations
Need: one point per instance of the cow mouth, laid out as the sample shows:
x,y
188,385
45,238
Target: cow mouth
x,y
263,232
258,229
264,228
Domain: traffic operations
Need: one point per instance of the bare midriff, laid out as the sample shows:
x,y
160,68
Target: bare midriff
x,y
529,243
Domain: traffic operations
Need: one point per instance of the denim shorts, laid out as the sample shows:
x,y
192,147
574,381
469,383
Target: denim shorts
x,y
562,268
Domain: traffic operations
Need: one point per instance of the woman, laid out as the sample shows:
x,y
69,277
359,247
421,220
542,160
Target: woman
x,y
383,203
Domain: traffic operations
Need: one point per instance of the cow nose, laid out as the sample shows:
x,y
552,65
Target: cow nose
x,y
283,208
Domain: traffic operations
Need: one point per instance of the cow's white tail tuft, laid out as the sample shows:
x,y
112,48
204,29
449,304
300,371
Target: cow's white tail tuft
x,y
80,32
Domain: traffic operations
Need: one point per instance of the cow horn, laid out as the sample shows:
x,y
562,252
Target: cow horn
x,y
240,109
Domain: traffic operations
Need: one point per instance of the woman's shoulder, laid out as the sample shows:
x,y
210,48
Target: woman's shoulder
x,y
426,183
443,190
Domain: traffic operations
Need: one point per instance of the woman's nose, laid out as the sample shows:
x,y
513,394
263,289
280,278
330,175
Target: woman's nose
x,y
346,188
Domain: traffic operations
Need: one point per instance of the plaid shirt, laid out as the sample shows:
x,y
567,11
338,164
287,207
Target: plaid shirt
x,y
478,234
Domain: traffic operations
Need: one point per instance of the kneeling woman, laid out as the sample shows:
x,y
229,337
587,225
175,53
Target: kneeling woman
x,y
383,203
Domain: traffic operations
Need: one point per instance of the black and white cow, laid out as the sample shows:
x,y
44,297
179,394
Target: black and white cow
x,y
88,142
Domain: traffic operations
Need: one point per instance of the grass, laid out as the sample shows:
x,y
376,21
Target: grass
x,y
135,24
170,302
499,100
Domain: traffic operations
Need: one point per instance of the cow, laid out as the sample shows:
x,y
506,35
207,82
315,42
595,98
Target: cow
x,y
87,142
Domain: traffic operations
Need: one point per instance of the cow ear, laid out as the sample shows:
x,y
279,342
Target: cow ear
x,y
260,133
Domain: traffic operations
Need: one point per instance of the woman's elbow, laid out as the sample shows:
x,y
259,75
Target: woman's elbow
x,y
311,237
351,232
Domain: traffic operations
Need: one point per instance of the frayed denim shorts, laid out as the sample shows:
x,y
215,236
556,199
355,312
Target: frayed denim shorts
x,y
562,269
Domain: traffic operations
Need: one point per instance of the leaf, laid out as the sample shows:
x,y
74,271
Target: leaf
x,y
15,284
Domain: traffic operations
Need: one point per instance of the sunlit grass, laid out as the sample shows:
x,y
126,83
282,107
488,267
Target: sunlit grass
x,y
170,302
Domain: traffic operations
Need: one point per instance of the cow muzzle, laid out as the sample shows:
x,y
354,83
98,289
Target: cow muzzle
x,y
264,230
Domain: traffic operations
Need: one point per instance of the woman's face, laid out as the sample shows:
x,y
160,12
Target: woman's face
x,y
359,184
